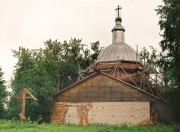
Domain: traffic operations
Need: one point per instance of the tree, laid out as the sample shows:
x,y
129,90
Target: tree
x,y
44,72
144,55
157,62
3,95
169,23
170,26
61,61
96,49
31,73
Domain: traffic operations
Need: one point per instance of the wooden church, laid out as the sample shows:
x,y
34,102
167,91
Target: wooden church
x,y
117,89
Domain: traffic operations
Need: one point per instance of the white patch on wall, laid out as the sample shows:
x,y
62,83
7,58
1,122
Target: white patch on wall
x,y
110,113
72,116
119,112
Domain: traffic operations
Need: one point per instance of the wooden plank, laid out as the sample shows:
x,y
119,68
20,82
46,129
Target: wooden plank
x,y
24,94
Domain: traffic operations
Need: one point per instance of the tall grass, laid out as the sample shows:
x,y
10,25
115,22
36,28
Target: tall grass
x,y
14,126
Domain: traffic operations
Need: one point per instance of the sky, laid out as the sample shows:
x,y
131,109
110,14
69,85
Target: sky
x,y
29,23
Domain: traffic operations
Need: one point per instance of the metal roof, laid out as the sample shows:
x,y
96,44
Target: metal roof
x,y
118,51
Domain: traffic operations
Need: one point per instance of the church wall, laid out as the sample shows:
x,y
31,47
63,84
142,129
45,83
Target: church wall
x,y
101,99
125,65
131,69
124,77
101,113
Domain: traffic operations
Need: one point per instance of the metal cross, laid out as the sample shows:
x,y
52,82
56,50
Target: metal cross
x,y
118,8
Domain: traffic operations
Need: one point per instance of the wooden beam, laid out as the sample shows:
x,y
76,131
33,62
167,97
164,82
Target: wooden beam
x,y
24,94
23,107
129,77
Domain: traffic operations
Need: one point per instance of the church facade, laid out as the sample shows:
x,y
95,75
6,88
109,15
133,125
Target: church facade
x,y
102,99
116,91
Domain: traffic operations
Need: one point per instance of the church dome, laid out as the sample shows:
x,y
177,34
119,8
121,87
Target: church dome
x,y
118,51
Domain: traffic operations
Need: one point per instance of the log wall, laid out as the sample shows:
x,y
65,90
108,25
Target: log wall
x,y
125,65
101,88
115,69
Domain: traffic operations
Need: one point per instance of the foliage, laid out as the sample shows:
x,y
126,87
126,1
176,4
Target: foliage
x,y
170,26
3,95
44,72
96,49
12,125
155,60
149,57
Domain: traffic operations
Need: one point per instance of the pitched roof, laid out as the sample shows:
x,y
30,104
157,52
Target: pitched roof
x,y
97,73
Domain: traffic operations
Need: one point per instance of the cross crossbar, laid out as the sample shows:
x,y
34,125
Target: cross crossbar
x,y
118,8
24,94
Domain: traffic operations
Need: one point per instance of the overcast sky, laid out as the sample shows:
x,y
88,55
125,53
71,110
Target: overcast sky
x,y
29,23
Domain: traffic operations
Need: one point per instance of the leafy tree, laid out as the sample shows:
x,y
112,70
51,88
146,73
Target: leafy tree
x,y
61,61
96,49
30,73
3,95
170,26
144,55
149,57
44,72
157,62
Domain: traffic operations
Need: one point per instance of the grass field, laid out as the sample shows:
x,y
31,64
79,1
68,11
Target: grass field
x,y
14,126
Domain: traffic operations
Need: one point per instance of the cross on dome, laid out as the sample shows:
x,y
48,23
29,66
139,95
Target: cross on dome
x,y
118,8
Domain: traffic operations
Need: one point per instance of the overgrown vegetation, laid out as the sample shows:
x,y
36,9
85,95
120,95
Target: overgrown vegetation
x,y
167,61
12,125
170,44
45,71
3,95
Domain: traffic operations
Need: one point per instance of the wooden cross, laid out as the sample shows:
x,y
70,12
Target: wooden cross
x,y
24,94
118,8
